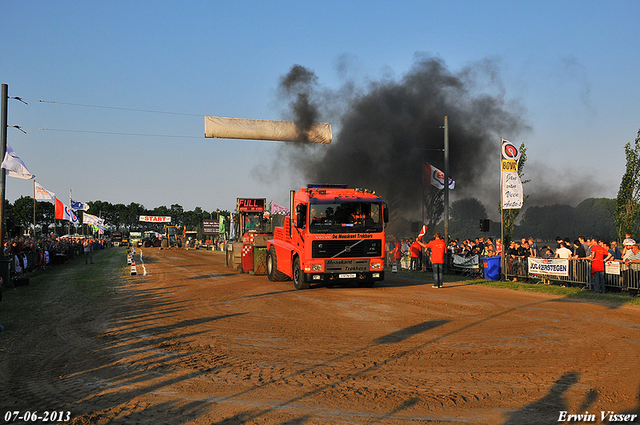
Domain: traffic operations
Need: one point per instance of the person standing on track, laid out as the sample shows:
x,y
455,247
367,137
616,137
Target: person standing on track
x,y
438,248
88,254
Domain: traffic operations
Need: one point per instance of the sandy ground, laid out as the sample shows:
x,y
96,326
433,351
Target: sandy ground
x,y
192,342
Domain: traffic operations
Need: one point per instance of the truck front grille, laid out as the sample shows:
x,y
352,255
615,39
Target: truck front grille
x,y
346,248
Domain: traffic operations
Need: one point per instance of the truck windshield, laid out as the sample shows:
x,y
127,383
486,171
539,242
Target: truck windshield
x,y
347,217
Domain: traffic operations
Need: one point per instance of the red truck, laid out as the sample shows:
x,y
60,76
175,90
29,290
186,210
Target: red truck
x,y
334,234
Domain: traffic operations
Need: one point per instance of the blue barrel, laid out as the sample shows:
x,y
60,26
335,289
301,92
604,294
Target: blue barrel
x,y
492,267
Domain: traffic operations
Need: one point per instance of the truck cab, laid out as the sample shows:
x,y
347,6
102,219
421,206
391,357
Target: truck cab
x,y
334,235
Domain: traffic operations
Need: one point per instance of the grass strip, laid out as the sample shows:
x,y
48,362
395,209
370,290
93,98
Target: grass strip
x,y
615,298
63,286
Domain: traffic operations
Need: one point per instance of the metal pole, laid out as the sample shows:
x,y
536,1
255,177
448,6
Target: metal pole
x,y
446,181
446,192
3,149
503,258
34,208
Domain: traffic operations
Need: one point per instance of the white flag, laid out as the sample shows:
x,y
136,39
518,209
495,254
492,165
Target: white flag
x,y
92,219
42,193
434,177
14,165
79,206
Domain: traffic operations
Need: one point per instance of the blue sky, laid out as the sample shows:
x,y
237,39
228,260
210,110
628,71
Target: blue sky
x,y
572,65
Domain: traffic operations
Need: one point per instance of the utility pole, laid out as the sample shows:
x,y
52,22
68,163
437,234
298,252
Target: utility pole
x,y
3,149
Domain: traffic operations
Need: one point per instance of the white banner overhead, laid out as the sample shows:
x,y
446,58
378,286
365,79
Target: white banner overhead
x,y
251,129
154,219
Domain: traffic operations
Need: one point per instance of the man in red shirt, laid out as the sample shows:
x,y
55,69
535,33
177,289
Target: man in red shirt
x,y
598,257
416,251
438,248
397,254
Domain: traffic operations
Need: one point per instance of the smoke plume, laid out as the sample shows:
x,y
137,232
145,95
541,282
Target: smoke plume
x,y
387,129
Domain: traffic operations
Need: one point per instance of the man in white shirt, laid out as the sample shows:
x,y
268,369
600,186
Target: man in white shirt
x,y
563,252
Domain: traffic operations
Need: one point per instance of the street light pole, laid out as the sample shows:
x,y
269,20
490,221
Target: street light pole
x,y
446,180
3,149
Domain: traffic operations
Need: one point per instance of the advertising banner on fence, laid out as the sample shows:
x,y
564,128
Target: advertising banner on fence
x,y
466,262
551,266
612,267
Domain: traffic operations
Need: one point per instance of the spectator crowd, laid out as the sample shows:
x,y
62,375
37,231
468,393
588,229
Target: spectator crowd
x,y
596,251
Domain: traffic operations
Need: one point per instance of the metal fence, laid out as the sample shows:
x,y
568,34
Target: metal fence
x,y
579,274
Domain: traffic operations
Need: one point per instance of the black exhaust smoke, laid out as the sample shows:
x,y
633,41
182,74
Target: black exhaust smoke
x,y
384,132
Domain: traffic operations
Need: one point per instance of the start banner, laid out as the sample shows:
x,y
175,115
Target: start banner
x,y
550,266
154,219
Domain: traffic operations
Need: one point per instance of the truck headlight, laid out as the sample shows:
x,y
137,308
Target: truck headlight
x,y
376,265
316,267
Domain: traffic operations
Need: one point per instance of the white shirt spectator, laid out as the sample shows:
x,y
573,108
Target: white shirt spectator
x,y
563,252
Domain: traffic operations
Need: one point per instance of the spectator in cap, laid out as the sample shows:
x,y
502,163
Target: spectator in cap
x,y
632,255
627,243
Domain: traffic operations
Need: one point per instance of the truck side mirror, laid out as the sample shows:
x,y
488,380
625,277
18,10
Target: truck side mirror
x,y
385,213
301,215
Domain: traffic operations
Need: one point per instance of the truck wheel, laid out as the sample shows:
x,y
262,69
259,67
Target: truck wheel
x,y
298,276
147,244
156,243
273,273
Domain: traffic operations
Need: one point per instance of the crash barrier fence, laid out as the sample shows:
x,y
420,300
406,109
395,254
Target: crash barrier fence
x,y
27,261
471,266
574,271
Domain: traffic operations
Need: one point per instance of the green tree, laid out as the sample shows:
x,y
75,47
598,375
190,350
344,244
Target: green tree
x,y
627,206
595,218
547,222
433,206
509,216
177,214
121,218
465,217
132,216
23,212
45,215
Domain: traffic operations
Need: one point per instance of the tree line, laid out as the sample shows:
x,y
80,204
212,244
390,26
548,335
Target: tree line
x,y
118,217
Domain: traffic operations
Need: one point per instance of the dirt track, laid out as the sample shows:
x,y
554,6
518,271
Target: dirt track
x,y
194,342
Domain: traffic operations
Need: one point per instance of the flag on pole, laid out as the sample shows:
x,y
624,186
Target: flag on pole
x,y
43,194
511,185
92,219
63,212
435,177
79,206
510,151
423,231
278,209
221,222
14,165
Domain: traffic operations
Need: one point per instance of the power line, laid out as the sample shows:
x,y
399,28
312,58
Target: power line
x,y
112,133
104,107
104,132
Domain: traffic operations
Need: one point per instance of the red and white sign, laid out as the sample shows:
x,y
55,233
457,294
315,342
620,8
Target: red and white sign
x,y
155,219
250,204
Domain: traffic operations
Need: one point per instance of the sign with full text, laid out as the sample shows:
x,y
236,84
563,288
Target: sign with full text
x,y
250,204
